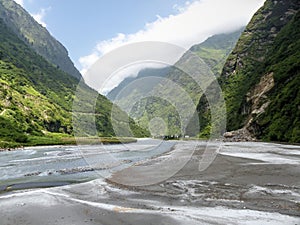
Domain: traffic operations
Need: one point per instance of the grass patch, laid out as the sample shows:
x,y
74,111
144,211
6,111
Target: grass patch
x,y
98,140
63,139
7,145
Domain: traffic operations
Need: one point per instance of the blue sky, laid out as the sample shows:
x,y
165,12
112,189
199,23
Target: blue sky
x,y
81,24
91,28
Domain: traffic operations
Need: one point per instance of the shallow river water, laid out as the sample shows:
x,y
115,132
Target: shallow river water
x,y
61,165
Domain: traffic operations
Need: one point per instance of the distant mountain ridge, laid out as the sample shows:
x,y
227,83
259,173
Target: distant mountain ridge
x,y
213,53
147,72
36,36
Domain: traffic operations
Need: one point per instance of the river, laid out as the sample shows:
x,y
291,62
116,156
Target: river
x,y
61,165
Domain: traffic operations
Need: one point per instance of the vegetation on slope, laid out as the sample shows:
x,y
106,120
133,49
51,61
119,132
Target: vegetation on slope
x,y
161,100
261,77
36,98
281,121
36,36
215,50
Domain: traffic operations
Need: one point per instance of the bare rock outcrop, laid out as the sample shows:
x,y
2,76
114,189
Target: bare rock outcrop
x,y
239,135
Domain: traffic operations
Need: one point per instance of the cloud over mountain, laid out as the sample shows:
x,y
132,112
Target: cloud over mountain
x,y
193,23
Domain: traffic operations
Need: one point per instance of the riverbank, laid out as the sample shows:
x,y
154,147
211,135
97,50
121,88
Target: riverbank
x,y
63,140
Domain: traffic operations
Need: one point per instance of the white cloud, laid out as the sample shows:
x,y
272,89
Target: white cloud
x,y
20,2
87,61
193,23
128,71
40,16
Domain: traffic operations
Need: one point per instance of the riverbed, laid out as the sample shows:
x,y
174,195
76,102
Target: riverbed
x,y
151,182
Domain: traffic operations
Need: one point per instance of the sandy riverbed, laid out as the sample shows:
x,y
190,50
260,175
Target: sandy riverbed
x,y
247,183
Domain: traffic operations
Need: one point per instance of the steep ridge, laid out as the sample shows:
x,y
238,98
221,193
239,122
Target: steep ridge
x,y
215,50
260,79
36,97
36,36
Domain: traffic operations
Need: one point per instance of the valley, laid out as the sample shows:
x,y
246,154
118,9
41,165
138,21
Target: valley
x,y
212,138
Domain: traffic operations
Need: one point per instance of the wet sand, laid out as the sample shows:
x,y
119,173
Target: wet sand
x,y
262,187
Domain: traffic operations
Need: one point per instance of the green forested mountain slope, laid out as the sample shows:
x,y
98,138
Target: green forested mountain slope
x,y
36,98
260,79
163,101
215,50
281,120
36,36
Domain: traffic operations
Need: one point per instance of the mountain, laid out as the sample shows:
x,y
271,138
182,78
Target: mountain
x,y
166,93
36,36
260,78
36,99
215,50
147,72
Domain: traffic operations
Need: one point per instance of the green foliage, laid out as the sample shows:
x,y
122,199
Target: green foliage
x,y
215,50
281,121
155,107
269,45
205,133
36,37
204,116
11,132
36,97
166,102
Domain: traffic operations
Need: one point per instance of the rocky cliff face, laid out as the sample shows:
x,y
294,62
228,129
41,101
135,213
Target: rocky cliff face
x,y
36,36
260,79
259,35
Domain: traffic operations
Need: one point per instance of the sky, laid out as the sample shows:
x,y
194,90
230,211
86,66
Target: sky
x,y
90,29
